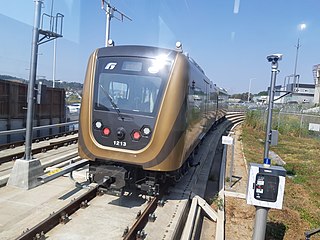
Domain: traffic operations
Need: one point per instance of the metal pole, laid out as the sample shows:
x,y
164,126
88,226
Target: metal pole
x,y
54,62
249,90
296,62
232,160
108,14
32,78
274,71
260,223
262,212
54,48
301,121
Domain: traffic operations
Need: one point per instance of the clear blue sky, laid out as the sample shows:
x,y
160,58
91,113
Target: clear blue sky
x,y
230,39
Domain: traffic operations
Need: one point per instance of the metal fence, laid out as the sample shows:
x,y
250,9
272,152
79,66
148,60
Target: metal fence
x,y
292,120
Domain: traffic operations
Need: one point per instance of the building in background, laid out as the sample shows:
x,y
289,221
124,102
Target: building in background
x,y
301,93
316,77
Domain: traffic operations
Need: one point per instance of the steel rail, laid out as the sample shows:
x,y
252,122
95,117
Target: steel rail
x,y
142,220
54,145
62,216
22,130
35,140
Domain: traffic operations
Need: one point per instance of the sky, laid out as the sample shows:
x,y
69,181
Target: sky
x,y
229,39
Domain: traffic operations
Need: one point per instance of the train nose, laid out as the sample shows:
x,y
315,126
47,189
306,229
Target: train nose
x,y
121,133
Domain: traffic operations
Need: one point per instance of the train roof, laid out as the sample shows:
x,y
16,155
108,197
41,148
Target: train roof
x,y
136,50
143,51
148,52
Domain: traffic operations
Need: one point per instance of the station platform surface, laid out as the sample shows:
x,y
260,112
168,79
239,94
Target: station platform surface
x,y
22,209
47,159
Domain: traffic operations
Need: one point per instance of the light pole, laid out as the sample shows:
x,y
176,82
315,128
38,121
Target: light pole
x,y
250,88
262,212
54,62
301,27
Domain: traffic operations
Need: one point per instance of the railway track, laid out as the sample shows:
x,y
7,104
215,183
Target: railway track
x,y
35,140
10,155
169,219
61,216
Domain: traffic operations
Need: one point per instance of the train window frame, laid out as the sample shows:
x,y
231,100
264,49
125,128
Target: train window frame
x,y
161,76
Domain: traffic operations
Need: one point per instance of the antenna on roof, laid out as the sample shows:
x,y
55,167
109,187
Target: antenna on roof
x,y
179,46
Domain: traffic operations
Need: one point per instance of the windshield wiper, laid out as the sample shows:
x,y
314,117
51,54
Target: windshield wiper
x,y
114,105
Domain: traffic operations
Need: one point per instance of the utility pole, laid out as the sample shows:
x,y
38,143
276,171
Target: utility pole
x,y
26,170
110,10
54,63
54,51
262,212
296,62
32,78
250,89
301,27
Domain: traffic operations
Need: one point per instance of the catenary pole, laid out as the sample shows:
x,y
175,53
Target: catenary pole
x,y
108,14
296,62
111,12
32,79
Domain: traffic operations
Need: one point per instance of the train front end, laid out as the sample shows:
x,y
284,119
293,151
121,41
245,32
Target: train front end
x,y
129,111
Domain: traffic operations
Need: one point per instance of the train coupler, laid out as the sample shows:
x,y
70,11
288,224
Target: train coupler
x,y
111,179
149,186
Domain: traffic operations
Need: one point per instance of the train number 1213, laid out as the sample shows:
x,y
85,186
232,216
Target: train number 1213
x,y
120,143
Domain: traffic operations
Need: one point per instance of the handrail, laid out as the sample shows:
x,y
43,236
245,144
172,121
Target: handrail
x,y
22,130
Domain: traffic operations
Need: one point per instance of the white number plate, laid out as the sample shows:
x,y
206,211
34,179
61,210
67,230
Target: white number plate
x,y
119,143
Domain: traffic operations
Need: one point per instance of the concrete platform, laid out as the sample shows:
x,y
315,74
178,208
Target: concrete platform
x,y
21,209
47,159
106,218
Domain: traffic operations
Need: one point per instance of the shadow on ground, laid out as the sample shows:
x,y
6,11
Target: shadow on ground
x,y
275,231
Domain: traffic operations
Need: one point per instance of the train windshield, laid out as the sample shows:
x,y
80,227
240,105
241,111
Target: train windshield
x,y
130,85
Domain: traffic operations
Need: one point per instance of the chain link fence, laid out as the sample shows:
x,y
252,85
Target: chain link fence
x,y
294,120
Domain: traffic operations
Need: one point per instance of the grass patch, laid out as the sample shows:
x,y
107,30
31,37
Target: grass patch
x,y
302,197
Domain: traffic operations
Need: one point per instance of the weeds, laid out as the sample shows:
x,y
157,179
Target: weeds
x,y
302,157
217,201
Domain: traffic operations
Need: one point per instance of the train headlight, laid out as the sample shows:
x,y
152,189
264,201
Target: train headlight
x,y
146,130
98,125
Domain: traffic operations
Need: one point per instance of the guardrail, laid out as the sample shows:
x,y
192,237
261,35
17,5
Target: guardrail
x,y
22,130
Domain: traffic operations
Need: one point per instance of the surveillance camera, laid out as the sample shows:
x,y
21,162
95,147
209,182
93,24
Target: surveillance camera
x,y
274,57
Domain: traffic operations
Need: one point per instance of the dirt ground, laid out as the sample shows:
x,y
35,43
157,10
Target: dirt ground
x,y
239,216
282,224
285,224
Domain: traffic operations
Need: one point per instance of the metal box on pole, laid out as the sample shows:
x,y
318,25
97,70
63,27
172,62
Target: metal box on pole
x,y
266,186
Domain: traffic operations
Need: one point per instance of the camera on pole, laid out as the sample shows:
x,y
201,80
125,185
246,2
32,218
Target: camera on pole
x,y
266,183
